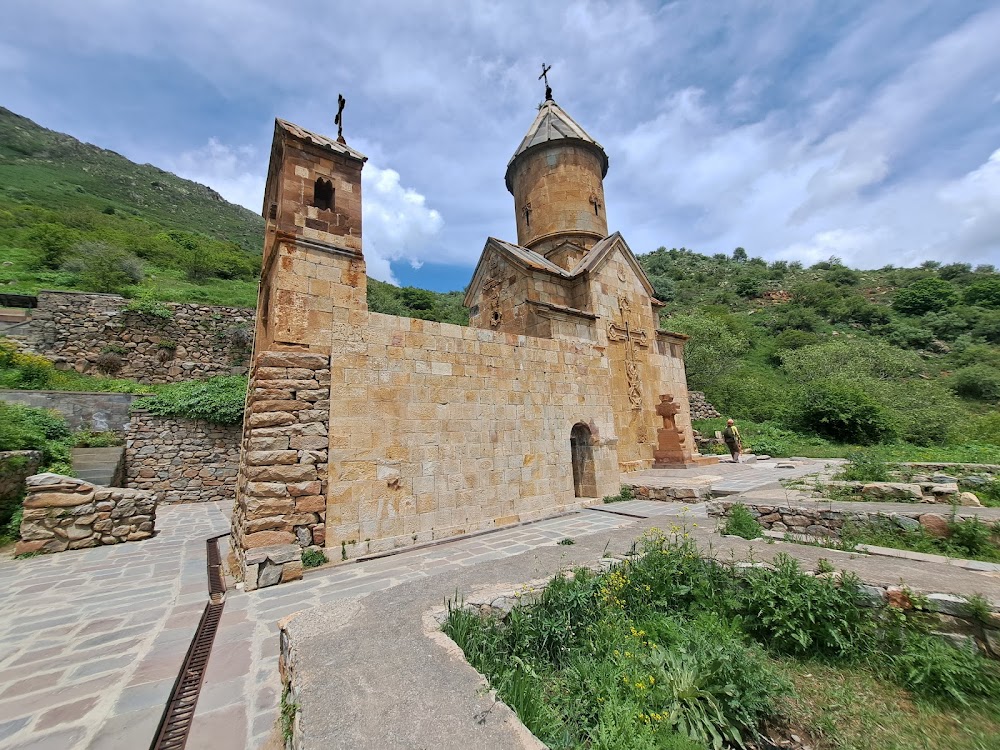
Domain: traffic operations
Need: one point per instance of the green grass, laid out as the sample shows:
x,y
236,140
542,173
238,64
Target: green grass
x,y
971,539
671,649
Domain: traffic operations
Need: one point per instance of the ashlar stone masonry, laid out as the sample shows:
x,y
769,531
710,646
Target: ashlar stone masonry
x,y
366,432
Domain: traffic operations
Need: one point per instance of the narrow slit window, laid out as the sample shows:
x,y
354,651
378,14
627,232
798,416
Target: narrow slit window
x,y
323,194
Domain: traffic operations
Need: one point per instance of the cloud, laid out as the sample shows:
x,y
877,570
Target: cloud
x,y
235,172
398,225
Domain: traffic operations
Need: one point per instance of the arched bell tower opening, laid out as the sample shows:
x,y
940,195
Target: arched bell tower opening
x,y
582,453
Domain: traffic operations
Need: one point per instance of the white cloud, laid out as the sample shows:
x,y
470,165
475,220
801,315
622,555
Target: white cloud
x,y
233,171
398,225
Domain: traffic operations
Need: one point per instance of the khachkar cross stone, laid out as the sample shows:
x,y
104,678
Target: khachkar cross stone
x,y
671,442
632,337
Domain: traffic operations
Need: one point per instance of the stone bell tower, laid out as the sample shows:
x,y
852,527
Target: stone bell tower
x,y
556,177
313,271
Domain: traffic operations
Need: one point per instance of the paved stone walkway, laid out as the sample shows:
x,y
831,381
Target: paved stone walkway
x,y
92,639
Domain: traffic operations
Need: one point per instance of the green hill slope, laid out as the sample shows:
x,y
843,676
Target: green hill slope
x,y
75,216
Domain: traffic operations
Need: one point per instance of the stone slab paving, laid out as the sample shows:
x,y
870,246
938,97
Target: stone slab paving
x,y
728,478
91,640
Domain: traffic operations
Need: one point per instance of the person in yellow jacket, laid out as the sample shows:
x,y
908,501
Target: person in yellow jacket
x,y
731,437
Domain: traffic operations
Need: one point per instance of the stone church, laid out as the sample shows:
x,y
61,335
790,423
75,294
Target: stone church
x,y
367,432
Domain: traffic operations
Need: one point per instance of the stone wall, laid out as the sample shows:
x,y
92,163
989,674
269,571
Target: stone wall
x,y
99,412
63,513
190,342
700,406
281,506
438,430
182,460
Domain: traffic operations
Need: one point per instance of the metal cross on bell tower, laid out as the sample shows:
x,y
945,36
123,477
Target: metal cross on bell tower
x,y
339,119
545,76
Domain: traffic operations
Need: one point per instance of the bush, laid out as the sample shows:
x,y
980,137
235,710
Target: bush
x,y
864,467
109,363
925,295
103,268
844,411
220,400
25,428
855,359
979,381
740,522
22,370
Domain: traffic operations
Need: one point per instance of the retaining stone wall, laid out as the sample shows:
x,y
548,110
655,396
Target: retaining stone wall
x,y
820,522
63,513
182,460
281,487
700,406
99,412
195,342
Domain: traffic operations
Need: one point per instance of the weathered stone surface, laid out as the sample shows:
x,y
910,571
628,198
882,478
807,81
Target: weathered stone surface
x,y
267,458
27,547
67,499
897,597
906,492
935,525
310,504
268,539
291,571
270,574
271,419
907,523
63,515
969,499
266,489
280,553
293,359
284,474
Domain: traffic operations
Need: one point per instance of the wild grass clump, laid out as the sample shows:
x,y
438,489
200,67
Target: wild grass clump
x,y
863,466
313,558
672,648
968,538
741,522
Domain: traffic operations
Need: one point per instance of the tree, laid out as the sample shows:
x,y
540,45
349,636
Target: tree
x,y
843,410
740,255
54,240
713,347
985,293
925,295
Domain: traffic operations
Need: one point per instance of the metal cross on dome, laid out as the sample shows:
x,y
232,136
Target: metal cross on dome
x,y
545,76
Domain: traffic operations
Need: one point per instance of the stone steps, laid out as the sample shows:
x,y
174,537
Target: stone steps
x,y
100,466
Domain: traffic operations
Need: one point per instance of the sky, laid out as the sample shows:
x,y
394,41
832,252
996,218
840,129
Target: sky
x,y
797,130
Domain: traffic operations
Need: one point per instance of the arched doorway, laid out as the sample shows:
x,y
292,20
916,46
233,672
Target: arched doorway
x,y
584,478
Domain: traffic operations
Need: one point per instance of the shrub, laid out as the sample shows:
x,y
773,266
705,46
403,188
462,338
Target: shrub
x,y
109,363
740,522
220,399
22,370
978,381
103,268
844,411
925,295
151,308
25,428
856,359
864,467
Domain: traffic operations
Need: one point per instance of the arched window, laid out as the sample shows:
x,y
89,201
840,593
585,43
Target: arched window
x,y
323,194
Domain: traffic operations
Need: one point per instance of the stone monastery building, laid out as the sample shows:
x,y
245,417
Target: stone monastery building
x,y
365,432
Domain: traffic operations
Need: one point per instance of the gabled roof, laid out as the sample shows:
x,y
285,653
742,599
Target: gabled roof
x,y
553,124
529,260
329,144
600,252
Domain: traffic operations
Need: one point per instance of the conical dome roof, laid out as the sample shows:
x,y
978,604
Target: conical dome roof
x,y
553,124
